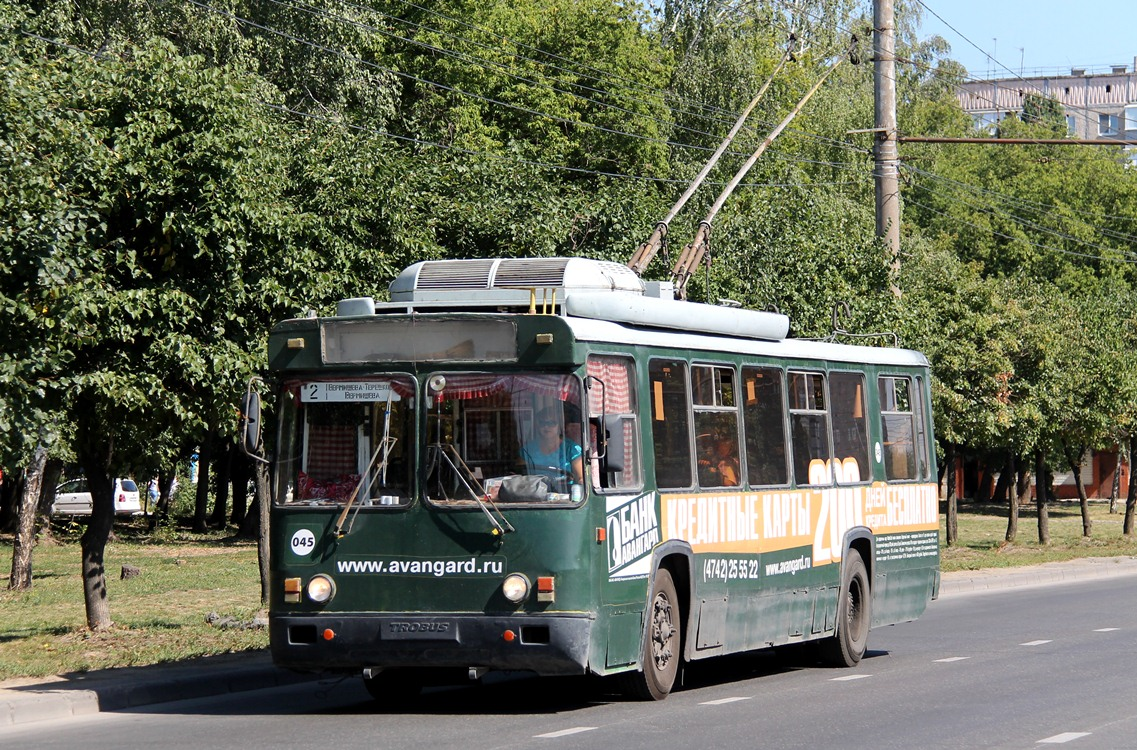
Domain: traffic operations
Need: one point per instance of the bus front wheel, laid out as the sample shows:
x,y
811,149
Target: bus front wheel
x,y
854,615
660,657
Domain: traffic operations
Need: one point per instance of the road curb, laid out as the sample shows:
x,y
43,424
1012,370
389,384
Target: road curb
x,y
25,702
970,582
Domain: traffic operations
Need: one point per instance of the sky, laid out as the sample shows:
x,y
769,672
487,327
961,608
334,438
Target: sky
x,y
1047,36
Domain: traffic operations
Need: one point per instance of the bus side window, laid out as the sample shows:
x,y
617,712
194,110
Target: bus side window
x,y
613,445
850,425
902,432
897,428
921,429
763,413
809,424
716,426
670,423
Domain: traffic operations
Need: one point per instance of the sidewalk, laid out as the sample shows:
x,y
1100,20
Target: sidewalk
x,y
31,700
964,582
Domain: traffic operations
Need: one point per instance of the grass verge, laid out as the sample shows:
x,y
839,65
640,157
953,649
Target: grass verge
x,y
160,615
983,529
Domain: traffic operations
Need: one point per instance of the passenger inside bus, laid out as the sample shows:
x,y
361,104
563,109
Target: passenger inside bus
x,y
720,468
550,452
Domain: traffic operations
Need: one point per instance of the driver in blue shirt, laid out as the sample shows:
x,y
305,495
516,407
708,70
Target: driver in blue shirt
x,y
550,452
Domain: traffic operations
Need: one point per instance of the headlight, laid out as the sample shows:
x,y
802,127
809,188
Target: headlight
x,y
321,589
515,587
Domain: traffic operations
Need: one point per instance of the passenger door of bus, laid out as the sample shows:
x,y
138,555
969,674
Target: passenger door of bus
x,y
630,528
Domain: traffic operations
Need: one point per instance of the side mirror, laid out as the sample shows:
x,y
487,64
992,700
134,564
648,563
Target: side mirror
x,y
613,440
250,424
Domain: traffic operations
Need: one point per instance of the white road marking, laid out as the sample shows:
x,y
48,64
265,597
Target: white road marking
x,y
851,677
565,732
722,701
1106,630
1059,739
1035,643
952,658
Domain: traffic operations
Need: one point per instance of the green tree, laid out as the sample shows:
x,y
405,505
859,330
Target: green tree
x,y
154,261
1044,110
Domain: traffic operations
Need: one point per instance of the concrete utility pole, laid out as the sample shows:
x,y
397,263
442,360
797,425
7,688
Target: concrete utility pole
x,y
885,152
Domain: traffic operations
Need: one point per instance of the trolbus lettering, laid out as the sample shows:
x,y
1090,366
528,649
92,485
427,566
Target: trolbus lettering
x,y
418,627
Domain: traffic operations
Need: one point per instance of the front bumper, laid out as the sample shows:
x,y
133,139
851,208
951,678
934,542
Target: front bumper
x,y
545,644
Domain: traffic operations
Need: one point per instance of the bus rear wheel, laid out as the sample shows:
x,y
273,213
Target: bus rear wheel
x,y
660,657
854,616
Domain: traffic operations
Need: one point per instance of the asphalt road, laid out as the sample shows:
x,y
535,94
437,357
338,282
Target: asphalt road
x,y
1016,668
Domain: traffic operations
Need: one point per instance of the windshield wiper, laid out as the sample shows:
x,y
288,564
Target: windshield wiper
x,y
477,492
384,447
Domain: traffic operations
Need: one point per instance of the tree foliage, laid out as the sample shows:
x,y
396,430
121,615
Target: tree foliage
x,y
180,176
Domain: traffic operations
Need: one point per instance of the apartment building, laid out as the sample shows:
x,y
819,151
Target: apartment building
x,y
1097,104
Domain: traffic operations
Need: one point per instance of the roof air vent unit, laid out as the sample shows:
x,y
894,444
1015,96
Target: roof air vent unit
x,y
355,306
508,281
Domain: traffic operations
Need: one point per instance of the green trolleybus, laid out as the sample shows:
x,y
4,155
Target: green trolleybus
x,y
550,465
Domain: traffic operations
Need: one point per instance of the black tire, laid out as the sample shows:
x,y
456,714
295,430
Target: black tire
x,y
661,654
854,616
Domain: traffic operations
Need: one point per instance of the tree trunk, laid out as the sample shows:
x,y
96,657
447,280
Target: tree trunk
x,y
249,527
952,521
94,452
1042,496
222,459
201,506
1074,459
1006,477
1115,490
24,543
1131,496
165,496
52,471
264,503
1013,500
1025,477
93,545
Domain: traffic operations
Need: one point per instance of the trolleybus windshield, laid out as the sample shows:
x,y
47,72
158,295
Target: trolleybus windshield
x,y
507,438
345,436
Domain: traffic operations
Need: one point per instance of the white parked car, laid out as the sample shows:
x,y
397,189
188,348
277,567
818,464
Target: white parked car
x,y
74,498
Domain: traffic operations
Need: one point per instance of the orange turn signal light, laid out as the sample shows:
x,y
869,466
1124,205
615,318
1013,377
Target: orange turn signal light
x,y
292,590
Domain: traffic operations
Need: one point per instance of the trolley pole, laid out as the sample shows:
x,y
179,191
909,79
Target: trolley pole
x,y
885,153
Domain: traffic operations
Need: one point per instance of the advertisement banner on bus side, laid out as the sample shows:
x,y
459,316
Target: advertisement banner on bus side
x,y
632,531
756,522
